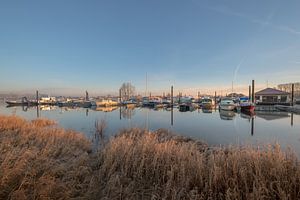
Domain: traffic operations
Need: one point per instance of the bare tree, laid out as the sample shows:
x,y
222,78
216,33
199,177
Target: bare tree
x,y
127,90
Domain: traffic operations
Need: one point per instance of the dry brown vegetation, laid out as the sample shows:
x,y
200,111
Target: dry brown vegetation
x,y
38,161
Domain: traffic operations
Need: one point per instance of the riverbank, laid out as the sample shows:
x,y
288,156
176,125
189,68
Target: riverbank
x,y
40,160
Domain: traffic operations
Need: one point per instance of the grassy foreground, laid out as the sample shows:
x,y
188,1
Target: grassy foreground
x,y
41,161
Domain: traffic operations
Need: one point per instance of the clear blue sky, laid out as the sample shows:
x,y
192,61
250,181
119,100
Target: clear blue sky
x,y
74,45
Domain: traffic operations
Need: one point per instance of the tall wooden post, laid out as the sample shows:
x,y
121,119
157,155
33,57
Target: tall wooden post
x,y
293,85
249,92
215,100
172,96
37,104
179,97
253,94
37,97
120,96
86,95
215,97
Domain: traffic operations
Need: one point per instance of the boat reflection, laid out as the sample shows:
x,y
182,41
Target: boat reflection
x,y
105,109
227,114
247,115
47,108
207,110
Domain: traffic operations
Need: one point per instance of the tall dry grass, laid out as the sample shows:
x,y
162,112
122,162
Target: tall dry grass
x,y
40,161
142,165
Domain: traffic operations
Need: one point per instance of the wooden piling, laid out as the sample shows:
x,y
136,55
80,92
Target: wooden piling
x,y
86,95
253,94
179,97
172,96
249,92
215,97
37,97
293,86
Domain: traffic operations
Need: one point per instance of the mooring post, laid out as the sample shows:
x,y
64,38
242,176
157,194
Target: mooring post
x,y
293,85
215,100
253,95
37,97
172,102
172,96
120,96
249,93
179,97
86,95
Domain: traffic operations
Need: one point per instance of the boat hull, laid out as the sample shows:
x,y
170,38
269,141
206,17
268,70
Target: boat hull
x,y
227,107
16,103
248,108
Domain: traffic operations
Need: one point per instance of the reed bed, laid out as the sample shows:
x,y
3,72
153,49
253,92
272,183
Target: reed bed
x,y
40,161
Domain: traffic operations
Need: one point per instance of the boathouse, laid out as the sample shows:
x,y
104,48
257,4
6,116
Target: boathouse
x,y
271,96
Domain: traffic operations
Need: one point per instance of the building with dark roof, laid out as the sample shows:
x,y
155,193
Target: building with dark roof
x,y
272,96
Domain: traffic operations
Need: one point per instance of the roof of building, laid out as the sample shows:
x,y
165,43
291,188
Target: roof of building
x,y
271,91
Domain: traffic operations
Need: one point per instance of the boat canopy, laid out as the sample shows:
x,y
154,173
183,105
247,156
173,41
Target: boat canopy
x,y
244,99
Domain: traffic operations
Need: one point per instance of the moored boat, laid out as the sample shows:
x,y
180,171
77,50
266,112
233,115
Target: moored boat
x,y
184,107
106,103
207,103
246,105
23,102
227,104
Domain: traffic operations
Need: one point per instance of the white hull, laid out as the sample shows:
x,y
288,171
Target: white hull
x,y
227,107
106,103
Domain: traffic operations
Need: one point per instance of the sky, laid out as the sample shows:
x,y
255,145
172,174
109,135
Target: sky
x,y
69,46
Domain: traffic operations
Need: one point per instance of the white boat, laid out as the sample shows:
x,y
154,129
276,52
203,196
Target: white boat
x,y
207,102
106,103
129,103
227,104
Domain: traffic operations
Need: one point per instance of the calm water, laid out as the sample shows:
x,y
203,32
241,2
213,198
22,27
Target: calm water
x,y
213,127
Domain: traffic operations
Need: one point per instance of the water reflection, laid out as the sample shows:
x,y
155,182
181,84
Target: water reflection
x,y
205,110
127,112
213,126
227,114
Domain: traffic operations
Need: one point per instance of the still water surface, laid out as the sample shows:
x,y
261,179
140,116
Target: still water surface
x,y
214,127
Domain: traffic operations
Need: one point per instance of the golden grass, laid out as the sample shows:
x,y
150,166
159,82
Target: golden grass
x,y
42,162
38,162
142,165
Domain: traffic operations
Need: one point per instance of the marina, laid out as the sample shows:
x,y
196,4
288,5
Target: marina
x,y
213,125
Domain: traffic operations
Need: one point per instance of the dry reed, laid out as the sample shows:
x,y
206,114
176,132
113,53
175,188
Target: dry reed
x,y
38,162
42,162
